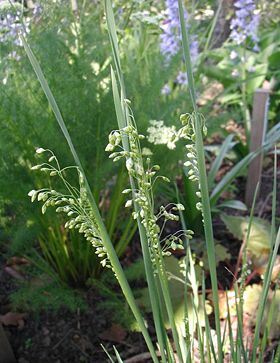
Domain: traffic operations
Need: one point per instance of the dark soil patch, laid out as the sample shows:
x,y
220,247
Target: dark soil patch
x,y
62,336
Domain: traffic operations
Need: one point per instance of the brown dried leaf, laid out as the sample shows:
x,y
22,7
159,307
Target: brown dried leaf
x,y
223,297
14,272
14,319
252,297
17,260
115,333
261,265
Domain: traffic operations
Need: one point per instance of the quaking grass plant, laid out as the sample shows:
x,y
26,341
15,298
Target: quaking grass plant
x,y
77,202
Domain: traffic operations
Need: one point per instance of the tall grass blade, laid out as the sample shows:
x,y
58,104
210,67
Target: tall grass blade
x,y
226,146
45,87
119,360
239,337
264,295
185,342
271,316
267,278
212,28
230,332
274,192
229,177
277,355
112,30
272,136
203,182
107,353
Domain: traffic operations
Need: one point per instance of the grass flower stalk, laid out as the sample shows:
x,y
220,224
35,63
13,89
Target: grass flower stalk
x,y
123,121
206,211
141,188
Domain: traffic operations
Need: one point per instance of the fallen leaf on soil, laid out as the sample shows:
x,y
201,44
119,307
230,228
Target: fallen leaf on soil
x,y
14,272
115,333
251,301
260,266
15,319
16,260
259,239
226,298
13,266
259,242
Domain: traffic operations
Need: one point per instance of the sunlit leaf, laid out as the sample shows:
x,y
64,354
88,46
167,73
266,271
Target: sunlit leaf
x,y
252,296
259,239
258,77
234,204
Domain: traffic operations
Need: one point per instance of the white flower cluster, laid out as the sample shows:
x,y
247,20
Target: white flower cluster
x,y
75,204
159,134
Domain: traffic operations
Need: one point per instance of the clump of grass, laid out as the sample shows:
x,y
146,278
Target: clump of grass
x,y
84,214
47,296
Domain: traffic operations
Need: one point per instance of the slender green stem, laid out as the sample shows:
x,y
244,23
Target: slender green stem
x,y
267,277
168,303
273,218
208,230
212,28
263,299
246,116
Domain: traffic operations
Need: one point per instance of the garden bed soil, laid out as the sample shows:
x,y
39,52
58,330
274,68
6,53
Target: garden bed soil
x,y
64,336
